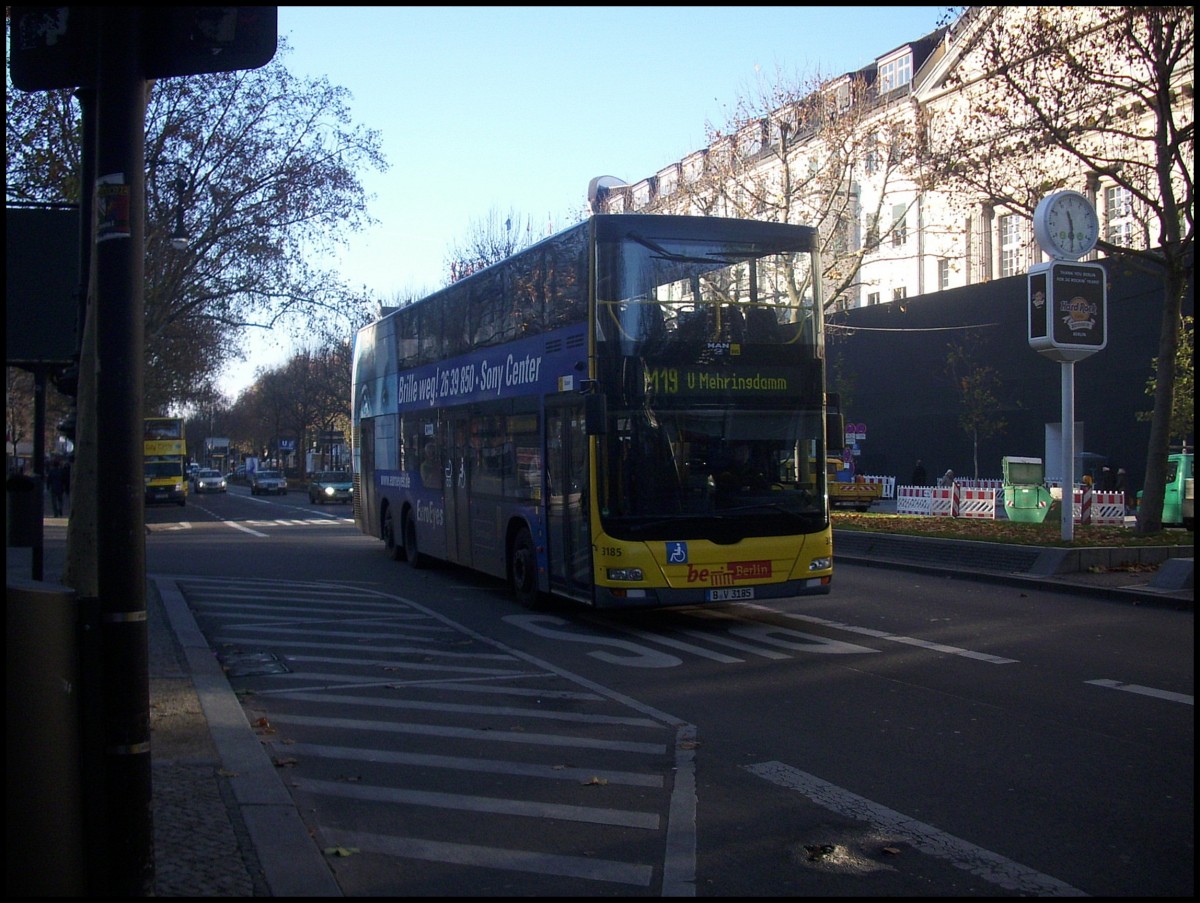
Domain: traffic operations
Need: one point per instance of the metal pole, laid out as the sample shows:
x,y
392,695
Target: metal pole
x,y
39,469
1068,450
121,545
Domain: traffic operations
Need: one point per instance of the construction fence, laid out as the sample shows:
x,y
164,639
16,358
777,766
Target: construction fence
x,y
973,499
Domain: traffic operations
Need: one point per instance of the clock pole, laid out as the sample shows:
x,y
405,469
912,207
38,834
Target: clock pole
x,y
1067,310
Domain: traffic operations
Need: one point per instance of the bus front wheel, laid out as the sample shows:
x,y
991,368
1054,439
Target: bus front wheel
x,y
522,569
391,540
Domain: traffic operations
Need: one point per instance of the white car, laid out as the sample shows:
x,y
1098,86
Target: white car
x,y
209,481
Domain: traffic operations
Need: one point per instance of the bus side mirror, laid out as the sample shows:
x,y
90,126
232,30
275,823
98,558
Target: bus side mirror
x,y
595,414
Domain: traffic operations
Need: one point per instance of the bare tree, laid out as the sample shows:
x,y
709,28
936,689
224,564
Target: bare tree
x,y
977,387
1044,97
820,152
262,169
490,240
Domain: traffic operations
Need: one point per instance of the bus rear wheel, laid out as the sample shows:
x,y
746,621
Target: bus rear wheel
x,y
391,540
522,570
411,551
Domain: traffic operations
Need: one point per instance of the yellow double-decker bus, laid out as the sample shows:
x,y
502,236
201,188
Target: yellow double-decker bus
x,y
165,459
627,413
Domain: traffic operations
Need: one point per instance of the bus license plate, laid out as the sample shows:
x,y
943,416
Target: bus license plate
x,y
729,595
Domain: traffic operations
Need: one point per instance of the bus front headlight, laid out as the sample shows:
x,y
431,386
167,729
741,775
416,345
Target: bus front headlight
x,y
625,574
820,564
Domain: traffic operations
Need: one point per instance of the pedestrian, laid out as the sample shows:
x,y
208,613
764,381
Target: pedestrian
x,y
55,483
919,477
947,479
1108,479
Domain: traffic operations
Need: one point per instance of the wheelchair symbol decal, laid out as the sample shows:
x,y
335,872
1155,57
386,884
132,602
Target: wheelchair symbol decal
x,y
677,553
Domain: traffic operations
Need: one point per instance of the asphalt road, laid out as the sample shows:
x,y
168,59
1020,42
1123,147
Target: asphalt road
x,y
908,734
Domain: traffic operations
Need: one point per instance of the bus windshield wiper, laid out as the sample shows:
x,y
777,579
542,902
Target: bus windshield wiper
x,y
716,258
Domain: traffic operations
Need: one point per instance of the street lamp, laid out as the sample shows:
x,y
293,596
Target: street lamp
x,y
179,238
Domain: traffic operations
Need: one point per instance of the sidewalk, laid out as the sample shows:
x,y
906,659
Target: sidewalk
x,y
225,824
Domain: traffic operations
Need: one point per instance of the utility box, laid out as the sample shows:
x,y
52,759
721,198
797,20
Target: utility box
x,y
1026,498
23,497
44,799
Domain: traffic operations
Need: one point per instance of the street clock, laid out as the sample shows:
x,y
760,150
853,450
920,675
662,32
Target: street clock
x,y
1065,225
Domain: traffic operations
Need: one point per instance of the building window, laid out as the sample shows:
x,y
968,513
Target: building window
x,y
668,179
943,274
872,298
895,73
870,152
1011,246
899,226
841,97
1118,216
899,294
872,241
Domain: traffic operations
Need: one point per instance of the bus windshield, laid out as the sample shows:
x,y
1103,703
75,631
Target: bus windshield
x,y
710,357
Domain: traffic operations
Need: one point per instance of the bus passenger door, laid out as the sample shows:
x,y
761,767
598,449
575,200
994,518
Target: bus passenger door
x,y
568,543
366,504
457,437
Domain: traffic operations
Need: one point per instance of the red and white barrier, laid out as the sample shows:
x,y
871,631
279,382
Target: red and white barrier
x,y
888,484
1108,509
912,499
998,485
976,503
943,501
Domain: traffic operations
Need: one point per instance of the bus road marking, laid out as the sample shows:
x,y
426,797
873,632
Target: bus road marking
x,y
640,657
891,637
962,854
1168,695
645,657
767,635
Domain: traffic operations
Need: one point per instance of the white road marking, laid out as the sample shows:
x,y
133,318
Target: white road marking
x,y
494,857
1168,695
624,818
961,853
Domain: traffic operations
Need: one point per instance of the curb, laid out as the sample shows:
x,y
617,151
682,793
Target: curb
x,y
292,863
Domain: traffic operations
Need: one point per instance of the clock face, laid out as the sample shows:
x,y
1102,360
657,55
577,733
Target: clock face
x,y
1065,225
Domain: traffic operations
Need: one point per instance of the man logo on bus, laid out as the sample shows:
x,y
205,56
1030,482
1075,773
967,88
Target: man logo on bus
x,y
677,553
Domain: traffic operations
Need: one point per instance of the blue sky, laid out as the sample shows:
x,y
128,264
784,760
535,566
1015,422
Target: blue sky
x,y
517,108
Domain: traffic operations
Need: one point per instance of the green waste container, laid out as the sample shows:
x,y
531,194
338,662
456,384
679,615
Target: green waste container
x,y
1026,498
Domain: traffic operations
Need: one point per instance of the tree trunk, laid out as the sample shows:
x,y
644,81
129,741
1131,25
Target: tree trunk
x,y
1150,510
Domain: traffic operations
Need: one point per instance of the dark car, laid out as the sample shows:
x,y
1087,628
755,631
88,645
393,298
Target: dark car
x,y
330,486
208,481
268,482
